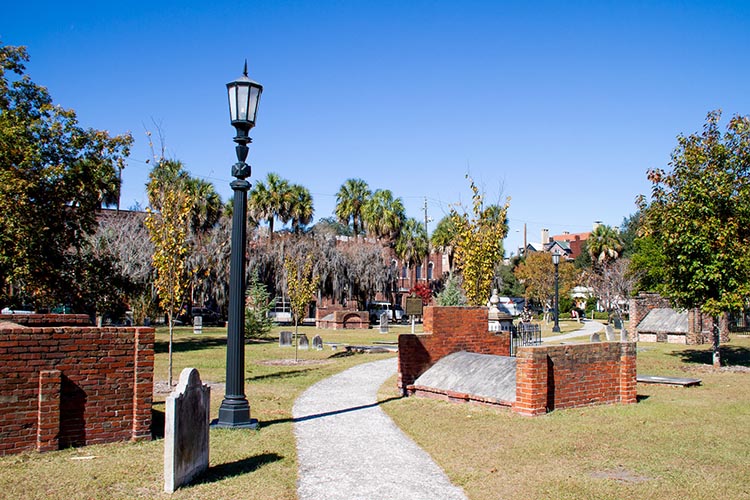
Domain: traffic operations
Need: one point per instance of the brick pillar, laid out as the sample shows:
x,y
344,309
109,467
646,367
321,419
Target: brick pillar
x,y
628,384
48,415
143,383
531,382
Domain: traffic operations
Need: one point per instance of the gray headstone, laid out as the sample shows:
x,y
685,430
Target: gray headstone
x,y
186,430
610,332
617,323
384,322
624,335
317,343
595,337
285,339
304,342
198,324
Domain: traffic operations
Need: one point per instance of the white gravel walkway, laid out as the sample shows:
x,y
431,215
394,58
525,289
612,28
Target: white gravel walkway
x,y
349,449
588,327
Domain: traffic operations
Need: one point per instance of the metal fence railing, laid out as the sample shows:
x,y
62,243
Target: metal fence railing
x,y
524,334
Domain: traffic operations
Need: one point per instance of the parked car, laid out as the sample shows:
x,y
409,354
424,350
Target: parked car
x,y
209,317
395,313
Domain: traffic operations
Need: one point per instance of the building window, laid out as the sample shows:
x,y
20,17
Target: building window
x,y
429,271
418,271
404,271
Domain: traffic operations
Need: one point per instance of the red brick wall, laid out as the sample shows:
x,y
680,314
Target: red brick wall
x,y
73,386
447,330
568,376
47,319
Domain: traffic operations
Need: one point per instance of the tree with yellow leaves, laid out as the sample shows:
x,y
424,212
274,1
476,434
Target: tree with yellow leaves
x,y
169,229
479,244
301,285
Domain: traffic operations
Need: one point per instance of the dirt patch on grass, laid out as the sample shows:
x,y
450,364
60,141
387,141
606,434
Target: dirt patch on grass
x,y
620,474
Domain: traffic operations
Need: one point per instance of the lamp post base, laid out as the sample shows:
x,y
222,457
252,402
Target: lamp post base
x,y
235,414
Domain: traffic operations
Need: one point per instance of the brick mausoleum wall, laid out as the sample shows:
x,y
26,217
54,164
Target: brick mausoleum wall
x,y
47,319
447,330
640,306
74,386
568,376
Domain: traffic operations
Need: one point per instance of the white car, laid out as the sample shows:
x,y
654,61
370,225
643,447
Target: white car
x,y
395,313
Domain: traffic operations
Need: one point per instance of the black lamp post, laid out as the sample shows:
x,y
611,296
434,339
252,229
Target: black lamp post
x,y
234,412
556,262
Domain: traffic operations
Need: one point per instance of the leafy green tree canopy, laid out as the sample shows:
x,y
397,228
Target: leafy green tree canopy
x,y
54,175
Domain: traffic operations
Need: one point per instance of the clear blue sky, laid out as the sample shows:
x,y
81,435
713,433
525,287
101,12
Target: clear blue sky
x,y
562,106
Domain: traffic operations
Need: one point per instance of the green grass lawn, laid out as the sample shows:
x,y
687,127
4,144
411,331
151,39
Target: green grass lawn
x,y
675,443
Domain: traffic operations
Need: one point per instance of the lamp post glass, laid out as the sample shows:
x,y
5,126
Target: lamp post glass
x,y
234,412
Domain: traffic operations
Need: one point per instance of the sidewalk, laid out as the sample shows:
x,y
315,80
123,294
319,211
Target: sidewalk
x,y
348,448
589,327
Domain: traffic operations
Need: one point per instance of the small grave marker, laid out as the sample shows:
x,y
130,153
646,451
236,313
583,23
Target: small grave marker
x,y
595,337
285,339
609,332
624,335
317,343
384,322
198,324
186,430
304,342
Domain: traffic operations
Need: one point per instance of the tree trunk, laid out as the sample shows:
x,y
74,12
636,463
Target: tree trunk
x,y
296,338
171,331
717,340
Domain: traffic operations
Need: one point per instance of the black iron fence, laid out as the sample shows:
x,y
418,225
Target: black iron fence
x,y
523,335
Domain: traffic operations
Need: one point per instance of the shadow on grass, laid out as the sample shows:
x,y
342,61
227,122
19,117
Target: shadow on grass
x,y
327,414
231,469
641,397
189,344
730,356
158,420
280,375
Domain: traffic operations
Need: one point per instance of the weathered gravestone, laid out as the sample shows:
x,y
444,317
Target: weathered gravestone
x,y
595,337
610,332
186,430
304,342
317,343
384,322
285,339
198,324
624,335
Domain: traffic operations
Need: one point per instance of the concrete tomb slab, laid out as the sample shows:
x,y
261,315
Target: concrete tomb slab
x,y
186,430
654,379
482,375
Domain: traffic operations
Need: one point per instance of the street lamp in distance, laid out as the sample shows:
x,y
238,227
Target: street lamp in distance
x,y
234,412
556,262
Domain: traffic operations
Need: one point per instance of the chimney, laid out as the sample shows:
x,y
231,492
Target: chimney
x,y
597,223
545,236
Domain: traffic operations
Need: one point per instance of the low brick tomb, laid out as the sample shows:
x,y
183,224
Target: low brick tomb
x,y
74,385
547,377
186,430
343,320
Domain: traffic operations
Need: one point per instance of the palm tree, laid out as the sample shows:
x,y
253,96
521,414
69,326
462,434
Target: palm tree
x,y
384,216
604,244
269,200
444,238
412,244
207,206
350,199
301,207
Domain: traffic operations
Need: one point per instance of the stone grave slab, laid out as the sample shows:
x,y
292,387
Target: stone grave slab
x,y
285,339
304,342
482,375
653,379
186,430
317,343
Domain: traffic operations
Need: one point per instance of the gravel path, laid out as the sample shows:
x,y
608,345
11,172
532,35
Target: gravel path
x,y
349,449
588,327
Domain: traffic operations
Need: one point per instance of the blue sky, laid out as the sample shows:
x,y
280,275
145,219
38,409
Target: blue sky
x,y
562,106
